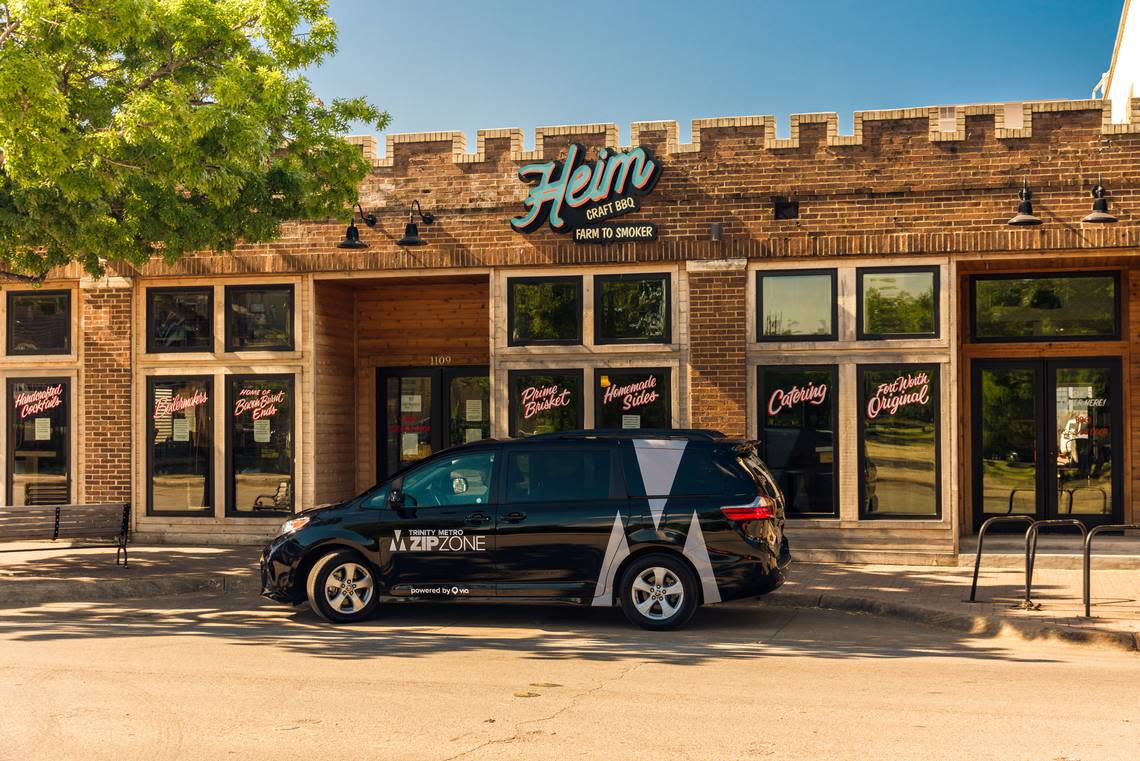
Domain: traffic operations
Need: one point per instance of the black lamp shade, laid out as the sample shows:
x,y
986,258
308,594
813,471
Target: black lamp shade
x,y
352,238
1099,213
1025,214
411,236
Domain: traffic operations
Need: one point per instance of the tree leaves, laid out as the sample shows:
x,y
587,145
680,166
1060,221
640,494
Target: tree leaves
x,y
134,128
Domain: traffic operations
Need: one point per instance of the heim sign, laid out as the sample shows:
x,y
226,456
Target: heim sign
x,y
576,196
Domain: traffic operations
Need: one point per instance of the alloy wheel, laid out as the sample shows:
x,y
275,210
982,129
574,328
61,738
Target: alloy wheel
x,y
657,593
348,588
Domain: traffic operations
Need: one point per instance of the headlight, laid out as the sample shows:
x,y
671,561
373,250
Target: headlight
x,y
292,525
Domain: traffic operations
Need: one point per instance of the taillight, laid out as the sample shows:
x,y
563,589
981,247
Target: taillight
x,y
759,509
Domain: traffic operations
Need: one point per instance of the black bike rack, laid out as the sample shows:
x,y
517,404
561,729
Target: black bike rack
x,y
1031,552
1087,580
982,537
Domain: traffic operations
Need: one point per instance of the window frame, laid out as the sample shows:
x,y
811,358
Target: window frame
x,y
934,269
11,351
667,372
762,412
151,382
601,280
151,348
832,272
1117,304
535,279
230,330
861,448
512,431
230,495
10,456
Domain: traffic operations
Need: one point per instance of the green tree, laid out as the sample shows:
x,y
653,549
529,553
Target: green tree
x,y
134,128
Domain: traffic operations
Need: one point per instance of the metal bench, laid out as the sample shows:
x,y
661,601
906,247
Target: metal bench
x,y
25,523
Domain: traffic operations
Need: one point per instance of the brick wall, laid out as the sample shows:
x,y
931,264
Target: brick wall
x,y
716,349
106,393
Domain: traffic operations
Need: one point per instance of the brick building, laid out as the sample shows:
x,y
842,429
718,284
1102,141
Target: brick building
x,y
860,303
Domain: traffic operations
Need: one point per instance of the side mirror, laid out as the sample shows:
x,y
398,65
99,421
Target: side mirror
x,y
395,498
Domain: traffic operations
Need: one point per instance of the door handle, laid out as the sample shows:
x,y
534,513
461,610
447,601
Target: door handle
x,y
475,519
514,517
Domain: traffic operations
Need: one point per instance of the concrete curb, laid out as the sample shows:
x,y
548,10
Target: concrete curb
x,y
959,622
23,593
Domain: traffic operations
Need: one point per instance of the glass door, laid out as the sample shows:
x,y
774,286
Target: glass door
x,y
1046,438
422,410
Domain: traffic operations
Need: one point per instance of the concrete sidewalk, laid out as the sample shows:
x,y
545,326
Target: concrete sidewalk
x,y
45,572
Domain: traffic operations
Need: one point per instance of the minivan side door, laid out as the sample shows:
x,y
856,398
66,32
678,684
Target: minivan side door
x,y
558,509
436,535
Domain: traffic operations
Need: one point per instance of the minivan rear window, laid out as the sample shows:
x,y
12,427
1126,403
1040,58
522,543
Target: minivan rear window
x,y
563,475
713,471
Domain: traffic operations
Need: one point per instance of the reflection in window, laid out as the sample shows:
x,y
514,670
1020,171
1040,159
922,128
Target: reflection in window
x,y
898,448
799,410
39,322
632,308
180,319
796,305
181,446
545,402
898,303
633,399
259,318
570,475
260,413
544,310
38,441
1017,308
470,414
460,480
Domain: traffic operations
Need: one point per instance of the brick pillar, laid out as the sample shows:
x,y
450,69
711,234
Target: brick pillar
x,y
717,380
105,330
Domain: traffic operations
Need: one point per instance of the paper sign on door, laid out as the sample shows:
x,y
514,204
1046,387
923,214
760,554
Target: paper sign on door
x,y
261,430
411,403
43,429
474,410
181,429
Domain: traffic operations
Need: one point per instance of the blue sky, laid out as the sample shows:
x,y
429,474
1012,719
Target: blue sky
x,y
439,65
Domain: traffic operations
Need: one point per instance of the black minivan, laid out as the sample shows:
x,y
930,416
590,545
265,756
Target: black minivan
x,y
655,521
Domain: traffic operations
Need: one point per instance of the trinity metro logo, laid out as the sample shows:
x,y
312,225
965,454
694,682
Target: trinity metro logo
x,y
432,540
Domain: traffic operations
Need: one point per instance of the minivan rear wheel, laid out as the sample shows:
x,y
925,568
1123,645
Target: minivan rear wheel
x,y
342,588
658,591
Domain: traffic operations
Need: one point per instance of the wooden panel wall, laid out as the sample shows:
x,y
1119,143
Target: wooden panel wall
x,y
334,363
402,324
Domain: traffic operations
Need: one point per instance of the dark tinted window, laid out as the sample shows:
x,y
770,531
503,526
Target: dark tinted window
x,y
180,319
39,322
712,470
1017,308
38,442
544,310
545,402
260,448
259,317
563,475
633,399
798,414
631,308
181,445
898,303
796,305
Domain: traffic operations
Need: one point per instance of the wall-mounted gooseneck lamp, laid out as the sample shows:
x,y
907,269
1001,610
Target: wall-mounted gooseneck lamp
x,y
1100,206
412,230
352,235
1024,214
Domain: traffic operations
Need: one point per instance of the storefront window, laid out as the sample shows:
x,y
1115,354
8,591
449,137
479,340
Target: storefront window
x,y
798,419
38,442
181,436
898,302
633,398
259,318
899,441
631,309
1051,308
180,319
260,444
796,305
39,322
544,310
545,401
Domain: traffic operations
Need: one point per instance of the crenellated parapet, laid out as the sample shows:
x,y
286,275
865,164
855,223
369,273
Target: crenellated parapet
x,y
945,124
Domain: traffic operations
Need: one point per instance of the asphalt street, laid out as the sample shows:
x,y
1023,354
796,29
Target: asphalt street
x,y
214,677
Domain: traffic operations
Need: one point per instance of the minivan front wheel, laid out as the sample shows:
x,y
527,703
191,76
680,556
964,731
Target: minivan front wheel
x,y
342,588
658,591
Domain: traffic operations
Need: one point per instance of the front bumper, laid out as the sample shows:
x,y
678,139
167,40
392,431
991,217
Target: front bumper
x,y
280,566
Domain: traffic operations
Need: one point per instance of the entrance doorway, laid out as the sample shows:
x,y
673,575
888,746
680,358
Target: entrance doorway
x,y
1046,439
422,410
